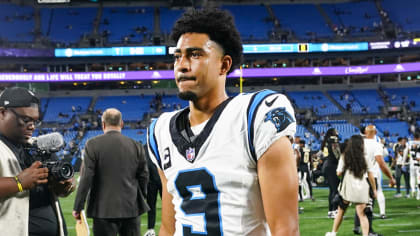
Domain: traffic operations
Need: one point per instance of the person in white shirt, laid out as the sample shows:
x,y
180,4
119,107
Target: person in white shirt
x,y
402,167
373,152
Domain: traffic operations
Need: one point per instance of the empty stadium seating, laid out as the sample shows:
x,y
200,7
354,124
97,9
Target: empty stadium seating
x,y
251,21
395,128
131,107
60,109
404,97
16,23
309,138
172,102
358,17
303,19
314,100
168,18
136,23
404,13
67,24
346,98
369,99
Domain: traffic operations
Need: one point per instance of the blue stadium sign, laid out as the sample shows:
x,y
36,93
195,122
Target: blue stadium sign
x,y
113,51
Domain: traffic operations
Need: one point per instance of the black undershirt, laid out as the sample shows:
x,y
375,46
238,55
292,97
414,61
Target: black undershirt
x,y
42,216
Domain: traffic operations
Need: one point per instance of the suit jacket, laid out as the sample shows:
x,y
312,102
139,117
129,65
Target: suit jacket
x,y
114,174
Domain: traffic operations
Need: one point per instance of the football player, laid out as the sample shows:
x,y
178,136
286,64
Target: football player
x,y
414,152
226,164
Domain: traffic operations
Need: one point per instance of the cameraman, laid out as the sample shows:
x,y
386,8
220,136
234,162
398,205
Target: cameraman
x,y
331,151
28,206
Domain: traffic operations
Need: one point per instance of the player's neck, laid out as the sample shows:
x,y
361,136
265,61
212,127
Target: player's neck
x,y
203,108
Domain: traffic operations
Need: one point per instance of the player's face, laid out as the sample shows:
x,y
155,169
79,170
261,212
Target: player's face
x,y
197,66
19,123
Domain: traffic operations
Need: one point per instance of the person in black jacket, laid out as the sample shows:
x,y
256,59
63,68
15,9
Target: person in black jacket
x,y
331,151
115,175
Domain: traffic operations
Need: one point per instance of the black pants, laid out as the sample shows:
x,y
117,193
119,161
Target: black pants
x,y
153,188
406,174
120,226
330,173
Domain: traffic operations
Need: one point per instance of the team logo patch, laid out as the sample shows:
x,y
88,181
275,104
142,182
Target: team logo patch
x,y
280,118
190,154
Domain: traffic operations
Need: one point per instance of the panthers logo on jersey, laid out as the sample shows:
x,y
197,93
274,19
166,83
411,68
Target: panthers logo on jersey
x,y
280,118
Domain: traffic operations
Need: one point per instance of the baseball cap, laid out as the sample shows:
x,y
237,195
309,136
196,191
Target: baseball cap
x,y
18,97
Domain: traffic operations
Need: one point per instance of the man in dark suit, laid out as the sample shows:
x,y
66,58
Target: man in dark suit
x,y
115,171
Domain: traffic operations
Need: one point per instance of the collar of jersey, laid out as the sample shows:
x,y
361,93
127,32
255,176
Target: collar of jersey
x,y
180,124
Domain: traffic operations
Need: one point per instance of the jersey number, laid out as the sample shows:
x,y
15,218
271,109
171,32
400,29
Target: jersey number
x,y
206,204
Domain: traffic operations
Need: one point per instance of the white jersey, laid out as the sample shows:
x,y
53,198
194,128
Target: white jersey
x,y
213,177
373,149
414,152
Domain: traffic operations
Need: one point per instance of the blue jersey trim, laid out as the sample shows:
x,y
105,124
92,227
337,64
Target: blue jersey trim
x,y
152,142
255,102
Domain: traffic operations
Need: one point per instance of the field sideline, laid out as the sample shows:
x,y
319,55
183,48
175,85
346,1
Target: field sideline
x,y
403,216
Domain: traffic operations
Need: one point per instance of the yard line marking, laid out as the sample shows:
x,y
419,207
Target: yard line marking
x,y
392,225
409,231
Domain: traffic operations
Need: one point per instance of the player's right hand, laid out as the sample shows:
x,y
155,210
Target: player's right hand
x,y
33,176
392,182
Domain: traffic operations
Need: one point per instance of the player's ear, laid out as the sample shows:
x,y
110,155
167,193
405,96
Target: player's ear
x,y
2,111
226,64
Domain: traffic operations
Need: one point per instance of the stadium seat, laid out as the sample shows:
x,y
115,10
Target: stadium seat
x,y
404,13
369,99
251,21
131,107
16,22
346,98
303,19
316,101
345,129
60,109
357,17
67,25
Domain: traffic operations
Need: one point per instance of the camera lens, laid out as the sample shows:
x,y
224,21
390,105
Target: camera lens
x,y
66,171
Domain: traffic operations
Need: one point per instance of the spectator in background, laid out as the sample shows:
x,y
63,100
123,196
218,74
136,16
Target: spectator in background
x,y
331,150
402,166
355,168
114,173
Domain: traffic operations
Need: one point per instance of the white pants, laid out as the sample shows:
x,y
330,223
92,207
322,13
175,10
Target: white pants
x,y
414,178
380,194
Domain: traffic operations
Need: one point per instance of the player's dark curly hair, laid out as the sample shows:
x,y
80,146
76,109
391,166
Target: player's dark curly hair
x,y
218,25
354,157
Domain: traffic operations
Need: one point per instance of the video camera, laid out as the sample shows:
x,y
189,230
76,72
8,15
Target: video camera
x,y
59,170
43,146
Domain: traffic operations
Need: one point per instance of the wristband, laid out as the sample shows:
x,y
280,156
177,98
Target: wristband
x,y
19,184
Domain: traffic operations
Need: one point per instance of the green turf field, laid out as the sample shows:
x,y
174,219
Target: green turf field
x,y
403,216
